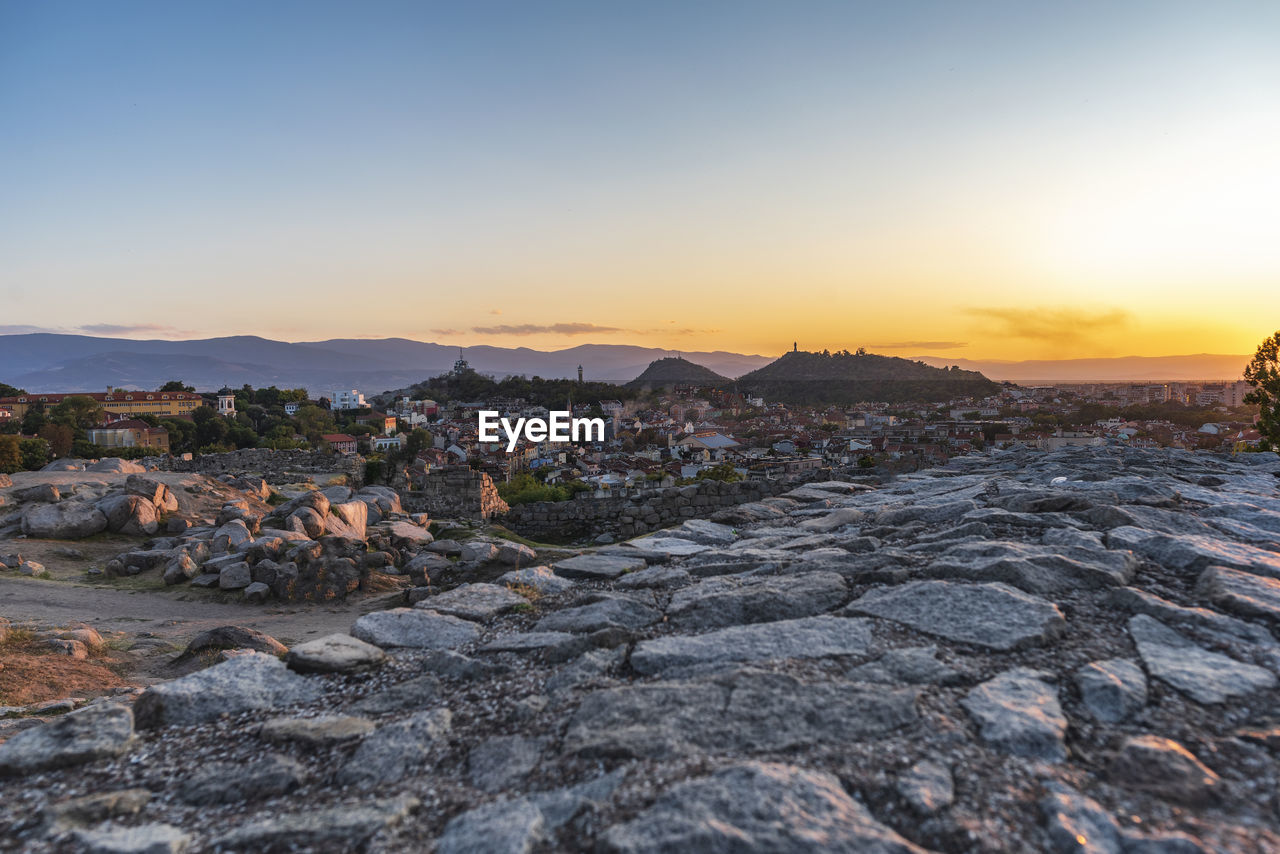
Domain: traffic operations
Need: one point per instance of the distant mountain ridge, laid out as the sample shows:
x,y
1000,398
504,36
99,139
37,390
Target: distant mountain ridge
x,y
61,363
677,371
1200,366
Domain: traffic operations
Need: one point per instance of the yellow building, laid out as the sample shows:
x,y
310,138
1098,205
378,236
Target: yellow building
x,y
119,402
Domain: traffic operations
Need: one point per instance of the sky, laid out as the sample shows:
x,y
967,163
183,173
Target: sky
x,y
1002,180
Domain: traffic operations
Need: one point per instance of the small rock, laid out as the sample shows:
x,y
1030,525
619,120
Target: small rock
x,y
316,732
335,653
502,827
95,732
1018,713
498,763
411,627
1164,767
927,786
1112,690
235,782
142,839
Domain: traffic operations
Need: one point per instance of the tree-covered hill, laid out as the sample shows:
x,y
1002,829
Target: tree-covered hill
x,y
842,378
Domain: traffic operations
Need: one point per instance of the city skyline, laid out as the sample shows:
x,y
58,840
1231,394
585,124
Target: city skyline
x,y
994,182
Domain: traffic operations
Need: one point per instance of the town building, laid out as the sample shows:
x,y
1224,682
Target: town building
x,y
340,442
118,402
347,399
129,433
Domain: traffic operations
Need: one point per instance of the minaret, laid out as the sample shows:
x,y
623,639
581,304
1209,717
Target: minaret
x,y
795,346
579,373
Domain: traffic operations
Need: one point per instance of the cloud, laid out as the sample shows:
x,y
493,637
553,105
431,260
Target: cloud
x,y
24,329
447,331
495,311
1050,325
546,329
920,345
129,329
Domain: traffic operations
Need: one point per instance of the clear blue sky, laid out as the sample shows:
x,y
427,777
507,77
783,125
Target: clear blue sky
x,y
657,172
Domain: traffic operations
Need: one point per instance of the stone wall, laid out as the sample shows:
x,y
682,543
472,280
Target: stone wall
x,y
642,511
455,492
285,466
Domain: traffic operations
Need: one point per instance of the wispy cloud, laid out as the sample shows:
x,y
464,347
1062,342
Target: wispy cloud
x,y
1050,325
130,329
920,345
447,331
24,329
547,329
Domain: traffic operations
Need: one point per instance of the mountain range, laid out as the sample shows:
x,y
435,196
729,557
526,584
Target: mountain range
x,y
60,363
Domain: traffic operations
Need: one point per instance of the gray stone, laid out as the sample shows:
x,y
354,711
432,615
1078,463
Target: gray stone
x,y
66,520
525,642
1070,817
994,616
348,519
730,601
705,532
811,637
407,534
233,637
316,732
1206,677
1018,713
589,667
335,653
539,578
410,627
1036,568
1194,554
833,520
394,750
1165,768
254,681
46,492
912,665
740,711
498,763
593,567
930,514
660,544
1241,592
452,548
478,552
602,614
142,839
340,828
1112,690
257,592
516,554
410,694
1202,622
235,782
94,732
473,601
237,576
757,807
502,827
927,787
655,576
131,515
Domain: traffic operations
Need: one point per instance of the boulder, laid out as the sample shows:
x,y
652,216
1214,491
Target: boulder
x,y
237,576
594,567
390,752
1165,768
45,492
349,519
733,600
66,520
478,552
502,827
516,554
1112,690
132,515
115,465
602,614
539,578
308,521
1241,592
233,637
236,782
155,491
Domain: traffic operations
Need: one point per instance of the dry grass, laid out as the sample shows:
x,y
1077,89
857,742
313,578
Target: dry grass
x,y
528,591
32,672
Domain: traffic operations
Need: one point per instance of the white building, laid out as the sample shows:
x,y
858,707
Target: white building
x,y
345,399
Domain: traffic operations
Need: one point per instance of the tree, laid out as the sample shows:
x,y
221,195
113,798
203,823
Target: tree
x,y
35,453
78,411
1263,373
7,390
10,455
59,437
176,385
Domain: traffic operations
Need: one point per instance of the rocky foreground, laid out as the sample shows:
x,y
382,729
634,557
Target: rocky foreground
x,y
1017,652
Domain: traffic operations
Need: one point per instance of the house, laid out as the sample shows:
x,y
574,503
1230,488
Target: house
x,y
291,408
340,442
130,433
382,443
380,421
347,399
117,402
709,441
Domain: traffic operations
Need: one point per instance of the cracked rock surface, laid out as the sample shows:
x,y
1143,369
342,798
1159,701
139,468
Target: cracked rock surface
x,y
1018,651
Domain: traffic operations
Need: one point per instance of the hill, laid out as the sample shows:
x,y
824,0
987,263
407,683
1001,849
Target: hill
x,y
843,378
663,373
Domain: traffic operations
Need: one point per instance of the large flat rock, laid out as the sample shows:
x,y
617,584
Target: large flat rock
x,y
594,567
1193,554
603,614
473,601
1204,676
738,712
1241,592
811,637
1036,568
994,616
254,681
758,808
411,627
731,601
95,732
